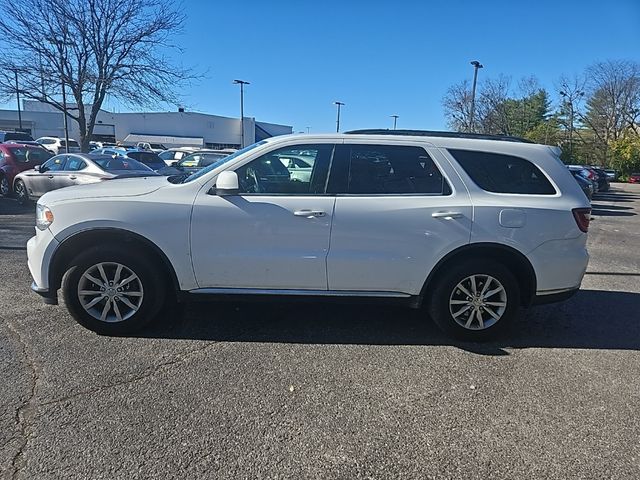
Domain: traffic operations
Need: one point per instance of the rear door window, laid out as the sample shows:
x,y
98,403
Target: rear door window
x,y
386,169
500,173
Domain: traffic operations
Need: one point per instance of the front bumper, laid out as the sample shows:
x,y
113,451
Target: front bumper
x,y
48,297
40,249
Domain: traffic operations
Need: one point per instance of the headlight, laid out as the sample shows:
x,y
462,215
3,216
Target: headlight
x,y
44,217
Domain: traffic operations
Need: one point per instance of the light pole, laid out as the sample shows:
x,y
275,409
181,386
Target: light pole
x,y
476,65
308,129
62,44
242,83
395,120
339,104
15,72
569,98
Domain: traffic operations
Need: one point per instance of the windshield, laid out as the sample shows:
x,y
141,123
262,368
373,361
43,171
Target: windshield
x,y
222,161
118,164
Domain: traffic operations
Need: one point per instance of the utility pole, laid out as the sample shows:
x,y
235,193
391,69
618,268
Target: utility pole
x,y
395,120
339,104
242,83
476,65
18,100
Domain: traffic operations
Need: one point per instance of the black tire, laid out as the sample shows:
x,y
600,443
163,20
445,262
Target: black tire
x,y
20,191
151,280
5,188
445,289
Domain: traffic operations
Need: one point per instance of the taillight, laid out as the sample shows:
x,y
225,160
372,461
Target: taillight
x,y
582,216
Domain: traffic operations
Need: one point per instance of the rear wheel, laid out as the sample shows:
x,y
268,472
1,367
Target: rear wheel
x,y
113,292
5,188
20,190
475,301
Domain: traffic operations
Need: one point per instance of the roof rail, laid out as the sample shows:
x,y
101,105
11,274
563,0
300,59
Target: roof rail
x,y
435,133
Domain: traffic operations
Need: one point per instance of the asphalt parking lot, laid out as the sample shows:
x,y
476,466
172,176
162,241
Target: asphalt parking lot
x,y
328,391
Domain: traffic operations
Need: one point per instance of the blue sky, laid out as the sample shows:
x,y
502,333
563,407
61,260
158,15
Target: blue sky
x,y
386,57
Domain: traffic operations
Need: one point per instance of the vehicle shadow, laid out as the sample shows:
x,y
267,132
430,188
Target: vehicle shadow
x,y
592,319
605,212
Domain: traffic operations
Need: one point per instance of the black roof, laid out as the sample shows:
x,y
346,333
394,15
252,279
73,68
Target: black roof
x,y
435,133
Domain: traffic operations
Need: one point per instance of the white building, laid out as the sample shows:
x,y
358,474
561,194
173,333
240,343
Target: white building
x,y
172,129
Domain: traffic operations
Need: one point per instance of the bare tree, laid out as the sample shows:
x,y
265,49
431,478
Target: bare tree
x,y
493,114
457,106
614,100
95,48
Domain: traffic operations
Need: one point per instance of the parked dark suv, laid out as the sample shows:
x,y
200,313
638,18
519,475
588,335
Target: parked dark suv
x,y
16,136
16,158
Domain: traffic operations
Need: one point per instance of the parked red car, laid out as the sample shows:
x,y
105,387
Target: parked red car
x,y
634,178
16,158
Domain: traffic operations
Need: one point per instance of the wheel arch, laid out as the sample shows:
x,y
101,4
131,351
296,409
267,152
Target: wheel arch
x,y
80,241
516,261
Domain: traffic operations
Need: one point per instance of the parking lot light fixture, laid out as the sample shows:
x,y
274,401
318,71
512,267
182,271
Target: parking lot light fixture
x,y
62,45
395,120
338,104
15,72
242,83
476,66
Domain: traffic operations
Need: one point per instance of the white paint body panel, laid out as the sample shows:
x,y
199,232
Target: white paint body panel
x,y
257,241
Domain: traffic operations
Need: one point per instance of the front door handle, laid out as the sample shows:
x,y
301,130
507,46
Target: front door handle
x,y
309,213
50,176
447,215
72,177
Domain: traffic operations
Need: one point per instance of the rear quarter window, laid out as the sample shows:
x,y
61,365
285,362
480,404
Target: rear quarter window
x,y
500,173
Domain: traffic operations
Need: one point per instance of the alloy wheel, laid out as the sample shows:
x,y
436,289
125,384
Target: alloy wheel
x,y
110,292
478,302
4,187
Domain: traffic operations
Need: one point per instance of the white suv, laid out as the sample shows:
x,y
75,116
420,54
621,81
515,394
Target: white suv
x,y
470,228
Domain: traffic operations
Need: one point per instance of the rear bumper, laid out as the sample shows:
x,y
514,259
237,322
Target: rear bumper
x,y
559,265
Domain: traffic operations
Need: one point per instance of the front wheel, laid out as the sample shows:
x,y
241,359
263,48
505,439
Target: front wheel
x,y
475,300
113,292
20,190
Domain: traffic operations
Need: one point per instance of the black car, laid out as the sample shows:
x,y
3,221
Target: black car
x,y
585,184
150,159
603,179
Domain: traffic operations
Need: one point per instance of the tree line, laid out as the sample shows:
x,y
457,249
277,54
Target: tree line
x,y
593,116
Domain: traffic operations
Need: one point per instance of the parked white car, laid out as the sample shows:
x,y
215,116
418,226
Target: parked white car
x,y
470,228
58,145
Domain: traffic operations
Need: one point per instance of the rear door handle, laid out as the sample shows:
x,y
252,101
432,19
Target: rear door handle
x,y
447,215
72,177
50,176
309,213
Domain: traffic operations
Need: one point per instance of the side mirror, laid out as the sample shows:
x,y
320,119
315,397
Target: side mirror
x,y
227,184
174,164
37,168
